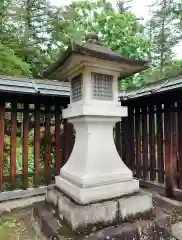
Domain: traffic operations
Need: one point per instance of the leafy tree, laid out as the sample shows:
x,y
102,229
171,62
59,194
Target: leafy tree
x,y
10,64
31,18
121,32
162,33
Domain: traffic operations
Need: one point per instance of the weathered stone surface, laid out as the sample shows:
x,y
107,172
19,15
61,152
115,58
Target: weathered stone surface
x,y
177,230
79,216
125,231
52,195
136,230
163,222
82,218
85,195
134,205
46,221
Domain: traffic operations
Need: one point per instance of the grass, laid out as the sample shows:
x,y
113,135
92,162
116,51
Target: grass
x,y
16,226
7,227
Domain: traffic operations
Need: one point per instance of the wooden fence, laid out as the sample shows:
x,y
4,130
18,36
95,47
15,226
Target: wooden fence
x,y
34,140
150,140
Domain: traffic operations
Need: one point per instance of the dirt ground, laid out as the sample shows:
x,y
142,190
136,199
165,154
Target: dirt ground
x,y
16,225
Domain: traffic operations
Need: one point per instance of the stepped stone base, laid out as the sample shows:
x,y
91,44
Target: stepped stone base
x,y
86,195
47,225
83,218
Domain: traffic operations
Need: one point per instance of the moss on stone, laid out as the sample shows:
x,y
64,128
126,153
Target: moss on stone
x,y
147,215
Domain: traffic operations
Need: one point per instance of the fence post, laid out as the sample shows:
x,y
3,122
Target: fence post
x,y
2,122
138,142
118,137
131,142
25,145
58,138
37,143
47,159
160,153
167,137
144,142
68,139
174,144
180,142
152,143
13,144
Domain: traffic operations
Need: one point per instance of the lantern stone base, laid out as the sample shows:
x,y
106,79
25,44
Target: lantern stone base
x,y
93,194
85,218
94,170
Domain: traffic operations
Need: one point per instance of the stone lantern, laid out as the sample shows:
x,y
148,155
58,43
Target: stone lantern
x,y
94,174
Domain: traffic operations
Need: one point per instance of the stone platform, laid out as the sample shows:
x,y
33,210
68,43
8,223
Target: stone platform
x,y
46,221
83,218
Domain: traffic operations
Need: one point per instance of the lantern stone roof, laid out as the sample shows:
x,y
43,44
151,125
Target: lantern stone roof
x,y
93,47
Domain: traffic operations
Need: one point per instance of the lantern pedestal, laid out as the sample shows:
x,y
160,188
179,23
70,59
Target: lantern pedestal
x,y
94,170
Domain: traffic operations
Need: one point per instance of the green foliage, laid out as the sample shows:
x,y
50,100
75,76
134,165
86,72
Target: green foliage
x,y
171,69
7,227
33,33
10,64
163,31
119,31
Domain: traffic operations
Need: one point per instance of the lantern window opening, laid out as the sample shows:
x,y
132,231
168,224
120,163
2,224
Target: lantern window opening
x,y
77,88
102,86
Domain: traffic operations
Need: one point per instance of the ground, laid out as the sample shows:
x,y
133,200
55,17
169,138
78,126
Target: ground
x,y
16,226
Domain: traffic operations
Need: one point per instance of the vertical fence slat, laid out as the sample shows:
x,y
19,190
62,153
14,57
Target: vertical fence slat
x,y
57,139
152,143
144,143
68,136
118,137
167,136
25,144
13,144
2,123
47,158
180,142
160,153
131,150
37,143
124,144
138,142
174,144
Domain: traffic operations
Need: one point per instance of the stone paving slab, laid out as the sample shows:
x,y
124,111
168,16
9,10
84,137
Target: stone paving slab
x,y
7,206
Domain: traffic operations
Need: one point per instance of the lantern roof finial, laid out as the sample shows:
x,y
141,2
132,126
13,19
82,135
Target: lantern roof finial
x,y
93,38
